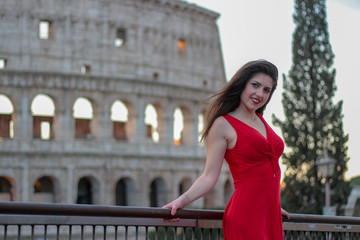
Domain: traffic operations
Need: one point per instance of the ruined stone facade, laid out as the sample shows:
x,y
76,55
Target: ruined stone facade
x,y
165,54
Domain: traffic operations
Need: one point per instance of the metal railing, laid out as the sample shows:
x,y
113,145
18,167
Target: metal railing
x,y
70,221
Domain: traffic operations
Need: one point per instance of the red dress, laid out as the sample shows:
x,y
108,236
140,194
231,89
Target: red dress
x,y
254,210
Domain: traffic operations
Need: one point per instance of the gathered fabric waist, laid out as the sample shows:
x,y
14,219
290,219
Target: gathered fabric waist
x,y
261,173
260,182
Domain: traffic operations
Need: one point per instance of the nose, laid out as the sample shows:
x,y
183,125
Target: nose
x,y
260,92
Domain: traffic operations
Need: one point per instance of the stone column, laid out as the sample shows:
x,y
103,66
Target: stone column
x,y
143,188
103,27
108,193
170,127
67,65
25,41
140,125
25,182
70,187
163,124
67,123
140,49
24,120
105,124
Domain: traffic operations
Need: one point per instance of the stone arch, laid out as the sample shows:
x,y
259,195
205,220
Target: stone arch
x,y
54,96
178,126
88,190
119,115
158,192
43,112
162,121
130,124
130,127
125,192
228,191
186,135
45,189
151,121
6,117
83,113
7,190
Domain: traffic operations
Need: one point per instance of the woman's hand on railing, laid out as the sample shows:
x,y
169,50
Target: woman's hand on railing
x,y
285,214
174,206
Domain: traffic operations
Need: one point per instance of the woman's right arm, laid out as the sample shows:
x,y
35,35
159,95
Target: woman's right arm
x,y
216,143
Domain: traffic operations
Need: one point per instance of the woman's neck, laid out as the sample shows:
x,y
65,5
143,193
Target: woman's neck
x,y
244,114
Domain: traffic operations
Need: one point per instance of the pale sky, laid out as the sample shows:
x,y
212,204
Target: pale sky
x,y
255,29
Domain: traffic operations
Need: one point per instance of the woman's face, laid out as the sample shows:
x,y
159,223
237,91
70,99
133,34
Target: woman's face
x,y
256,92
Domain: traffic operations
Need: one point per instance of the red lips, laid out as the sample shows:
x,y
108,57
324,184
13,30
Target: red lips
x,y
255,100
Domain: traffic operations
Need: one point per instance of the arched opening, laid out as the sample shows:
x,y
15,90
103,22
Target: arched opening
x,y
151,123
178,126
85,191
43,111
158,193
44,190
183,127
6,190
119,117
125,192
184,185
83,114
228,191
6,118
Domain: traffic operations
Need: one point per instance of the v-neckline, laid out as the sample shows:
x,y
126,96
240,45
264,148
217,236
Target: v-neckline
x,y
254,129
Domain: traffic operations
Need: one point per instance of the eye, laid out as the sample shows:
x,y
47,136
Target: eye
x,y
255,85
267,90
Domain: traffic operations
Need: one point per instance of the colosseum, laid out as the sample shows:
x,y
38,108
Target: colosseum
x,y
100,100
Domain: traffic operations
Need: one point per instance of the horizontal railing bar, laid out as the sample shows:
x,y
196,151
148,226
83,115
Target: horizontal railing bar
x,y
147,212
10,219
320,227
310,218
100,210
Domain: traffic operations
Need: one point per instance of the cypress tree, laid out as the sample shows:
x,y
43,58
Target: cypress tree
x,y
313,122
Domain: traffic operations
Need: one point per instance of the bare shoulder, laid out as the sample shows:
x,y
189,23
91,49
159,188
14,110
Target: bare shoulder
x,y
220,122
222,125
222,128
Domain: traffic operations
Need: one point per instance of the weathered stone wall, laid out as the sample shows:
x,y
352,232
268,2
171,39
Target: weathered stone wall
x,y
147,69
84,31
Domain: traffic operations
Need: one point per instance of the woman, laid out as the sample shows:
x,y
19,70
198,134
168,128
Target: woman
x,y
236,131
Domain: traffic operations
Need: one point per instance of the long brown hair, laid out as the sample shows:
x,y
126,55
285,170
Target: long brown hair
x,y
228,98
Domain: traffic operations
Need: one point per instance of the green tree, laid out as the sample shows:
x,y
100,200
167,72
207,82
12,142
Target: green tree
x,y
313,123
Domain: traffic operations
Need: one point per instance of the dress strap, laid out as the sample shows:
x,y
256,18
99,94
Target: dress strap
x,y
233,121
230,119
